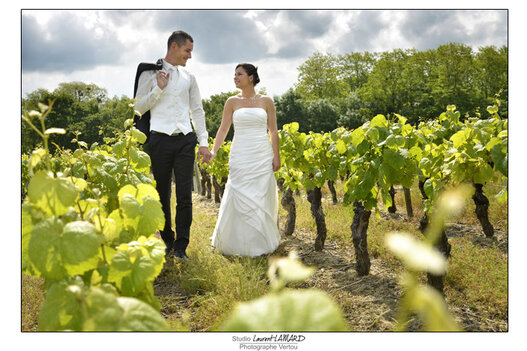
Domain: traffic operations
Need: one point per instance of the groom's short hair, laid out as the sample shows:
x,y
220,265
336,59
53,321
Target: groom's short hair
x,y
180,37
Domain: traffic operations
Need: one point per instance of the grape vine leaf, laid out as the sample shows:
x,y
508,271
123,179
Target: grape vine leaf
x,y
58,250
50,194
290,310
136,263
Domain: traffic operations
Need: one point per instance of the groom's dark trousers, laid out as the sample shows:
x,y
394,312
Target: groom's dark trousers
x,y
174,154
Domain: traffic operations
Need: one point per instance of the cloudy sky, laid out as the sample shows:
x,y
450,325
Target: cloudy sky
x,y
104,46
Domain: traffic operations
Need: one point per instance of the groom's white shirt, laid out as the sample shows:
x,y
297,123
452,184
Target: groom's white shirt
x,y
174,107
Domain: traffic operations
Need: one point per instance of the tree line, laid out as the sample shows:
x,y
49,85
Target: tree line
x,y
331,91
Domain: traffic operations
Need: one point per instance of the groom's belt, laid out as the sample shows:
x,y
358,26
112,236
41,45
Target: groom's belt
x,y
160,133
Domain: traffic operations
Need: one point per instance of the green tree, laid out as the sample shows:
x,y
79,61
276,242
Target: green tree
x,y
452,78
356,67
385,91
417,99
213,108
113,113
60,116
320,77
351,111
83,92
290,108
322,115
491,77
78,107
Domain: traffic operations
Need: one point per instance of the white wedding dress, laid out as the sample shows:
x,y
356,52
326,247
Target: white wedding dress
x,y
247,221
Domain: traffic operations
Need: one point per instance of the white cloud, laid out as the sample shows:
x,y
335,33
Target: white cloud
x,y
108,44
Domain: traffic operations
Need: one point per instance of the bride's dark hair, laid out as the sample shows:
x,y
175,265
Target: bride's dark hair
x,y
251,70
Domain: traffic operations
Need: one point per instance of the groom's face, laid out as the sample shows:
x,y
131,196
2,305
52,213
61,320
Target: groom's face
x,y
182,53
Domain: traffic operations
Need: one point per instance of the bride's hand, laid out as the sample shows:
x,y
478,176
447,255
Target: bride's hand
x,y
276,164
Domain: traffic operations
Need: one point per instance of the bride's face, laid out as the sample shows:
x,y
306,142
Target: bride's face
x,y
241,78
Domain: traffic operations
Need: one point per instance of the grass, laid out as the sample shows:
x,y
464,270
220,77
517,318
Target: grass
x,y
32,299
212,283
199,294
477,278
478,268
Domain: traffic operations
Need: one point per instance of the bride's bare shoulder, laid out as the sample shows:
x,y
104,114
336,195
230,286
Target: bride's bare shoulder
x,y
234,98
267,100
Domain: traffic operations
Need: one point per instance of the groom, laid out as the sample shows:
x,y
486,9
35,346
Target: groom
x,y
172,96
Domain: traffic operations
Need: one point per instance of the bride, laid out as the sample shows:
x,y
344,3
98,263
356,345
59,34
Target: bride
x,y
247,221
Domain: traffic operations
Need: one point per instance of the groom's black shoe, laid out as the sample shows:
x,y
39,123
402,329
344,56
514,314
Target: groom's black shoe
x,y
181,254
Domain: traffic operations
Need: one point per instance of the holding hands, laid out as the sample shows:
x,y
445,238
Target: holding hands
x,y
205,152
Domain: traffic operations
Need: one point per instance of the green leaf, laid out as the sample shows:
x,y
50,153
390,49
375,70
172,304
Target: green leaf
x,y
291,127
416,152
386,198
128,122
107,179
79,247
357,136
52,195
431,305
502,196
136,263
459,138
379,121
109,228
142,210
484,173
429,188
108,312
392,175
62,308
59,251
130,206
291,310
402,119
27,227
44,249
152,217
138,136
332,173
373,134
500,159
137,316
492,142
395,141
142,162
119,148
341,147
36,156
492,109
406,129
69,305
428,304
144,190
393,158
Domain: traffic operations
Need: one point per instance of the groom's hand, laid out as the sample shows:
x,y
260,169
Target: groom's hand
x,y
162,78
205,152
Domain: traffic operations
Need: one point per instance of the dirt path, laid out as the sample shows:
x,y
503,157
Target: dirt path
x,y
369,303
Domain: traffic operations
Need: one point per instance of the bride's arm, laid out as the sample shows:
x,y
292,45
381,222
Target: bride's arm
x,y
273,132
226,121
